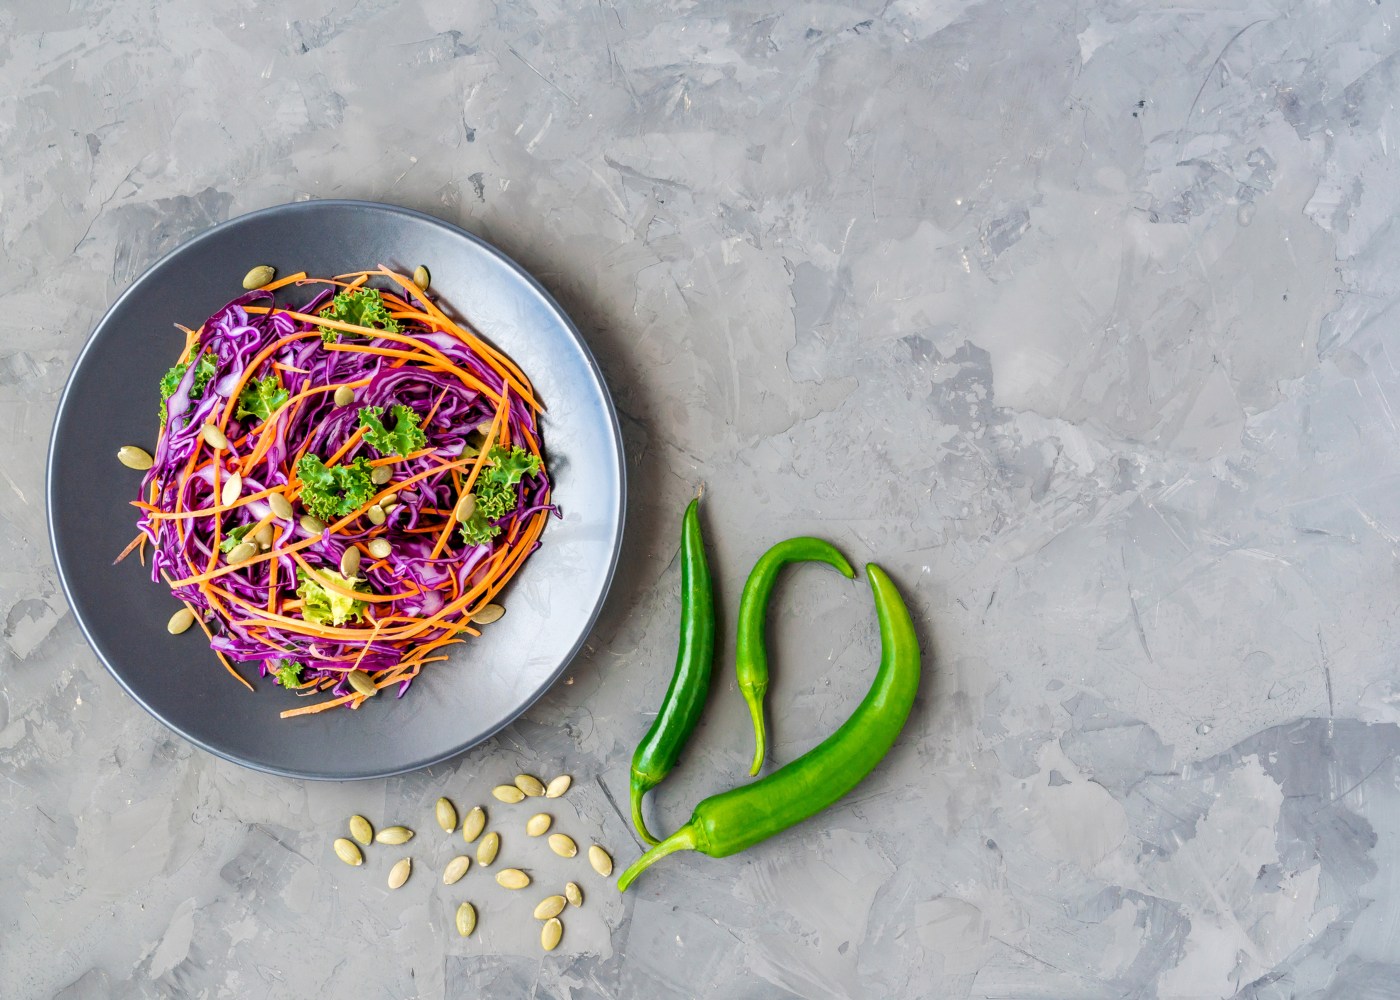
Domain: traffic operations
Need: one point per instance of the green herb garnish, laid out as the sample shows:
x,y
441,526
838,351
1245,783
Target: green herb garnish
x,y
495,492
261,397
406,436
332,493
234,538
170,381
323,606
362,307
288,673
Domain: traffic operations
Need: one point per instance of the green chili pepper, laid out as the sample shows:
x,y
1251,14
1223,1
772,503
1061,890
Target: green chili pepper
x,y
690,684
727,823
750,654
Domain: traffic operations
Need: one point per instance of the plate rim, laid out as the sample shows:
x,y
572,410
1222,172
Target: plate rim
x,y
538,289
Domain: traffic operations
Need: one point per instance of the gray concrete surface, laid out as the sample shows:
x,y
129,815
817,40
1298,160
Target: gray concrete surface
x,y
1076,316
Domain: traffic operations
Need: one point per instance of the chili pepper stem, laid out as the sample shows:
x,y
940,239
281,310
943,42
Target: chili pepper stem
x,y
641,824
754,698
682,840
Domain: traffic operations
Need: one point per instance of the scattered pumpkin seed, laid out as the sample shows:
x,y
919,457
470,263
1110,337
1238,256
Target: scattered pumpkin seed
x,y
551,933
263,536
446,815
344,396
379,548
393,835
312,525
421,277
563,845
456,868
346,851
362,683
558,786
550,906
242,552
180,621
465,508
473,824
466,919
388,500
538,824
486,850
361,830
214,437
508,793
281,506
398,874
233,486
135,458
485,615
381,475
601,860
528,783
573,893
512,878
389,509
376,514
259,276
350,561
484,428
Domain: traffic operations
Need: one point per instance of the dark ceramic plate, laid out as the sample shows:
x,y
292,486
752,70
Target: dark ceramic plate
x,y
111,401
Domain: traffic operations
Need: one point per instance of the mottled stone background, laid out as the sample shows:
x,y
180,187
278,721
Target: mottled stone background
x,y
1076,316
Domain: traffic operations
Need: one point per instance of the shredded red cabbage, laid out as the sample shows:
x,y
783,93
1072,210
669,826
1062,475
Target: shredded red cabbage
x,y
256,620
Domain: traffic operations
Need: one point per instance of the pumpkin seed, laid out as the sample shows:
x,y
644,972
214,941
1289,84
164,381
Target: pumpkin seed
x,y
573,893
135,458
387,500
601,860
464,510
376,514
381,475
512,878
486,850
421,277
398,874
346,851
393,835
389,509
558,786
242,552
281,506
550,906
312,525
473,824
484,428
362,683
259,276
380,548
350,561
528,783
214,437
361,830
563,845
466,919
446,815
456,868
344,396
507,793
233,486
485,615
180,621
538,824
551,933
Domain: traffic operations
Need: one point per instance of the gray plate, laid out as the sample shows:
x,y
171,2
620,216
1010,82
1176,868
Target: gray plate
x,y
111,400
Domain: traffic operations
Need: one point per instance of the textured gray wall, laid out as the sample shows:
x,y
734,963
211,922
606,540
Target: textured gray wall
x,y
1078,317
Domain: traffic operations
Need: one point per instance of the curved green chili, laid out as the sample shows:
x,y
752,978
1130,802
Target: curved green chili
x,y
680,709
727,823
750,654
